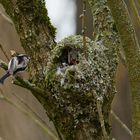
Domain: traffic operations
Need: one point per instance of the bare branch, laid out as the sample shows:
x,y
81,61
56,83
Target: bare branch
x,y
136,12
83,16
6,18
121,123
101,118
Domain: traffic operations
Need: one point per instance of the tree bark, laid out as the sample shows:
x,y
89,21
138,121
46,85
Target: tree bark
x,y
35,30
132,54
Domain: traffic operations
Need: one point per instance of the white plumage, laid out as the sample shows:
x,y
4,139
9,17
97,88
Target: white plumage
x,y
16,64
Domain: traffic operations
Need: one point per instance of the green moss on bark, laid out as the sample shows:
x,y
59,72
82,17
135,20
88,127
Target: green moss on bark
x,y
36,33
35,9
132,54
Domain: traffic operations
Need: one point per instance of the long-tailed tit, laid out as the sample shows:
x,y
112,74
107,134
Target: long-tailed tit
x,y
16,64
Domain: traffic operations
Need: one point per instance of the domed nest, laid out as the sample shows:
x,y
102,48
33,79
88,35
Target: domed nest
x,y
68,69
74,81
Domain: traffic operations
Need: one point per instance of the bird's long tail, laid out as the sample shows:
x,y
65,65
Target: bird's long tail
x,y
4,77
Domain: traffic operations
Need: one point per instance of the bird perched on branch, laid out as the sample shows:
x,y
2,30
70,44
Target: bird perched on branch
x,y
17,63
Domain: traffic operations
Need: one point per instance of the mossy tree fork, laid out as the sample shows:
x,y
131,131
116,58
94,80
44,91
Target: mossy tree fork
x,y
37,38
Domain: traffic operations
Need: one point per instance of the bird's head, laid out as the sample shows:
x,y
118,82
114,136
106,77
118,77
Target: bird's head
x,y
23,58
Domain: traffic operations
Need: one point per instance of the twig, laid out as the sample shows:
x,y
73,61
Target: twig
x,y
83,16
101,118
122,58
25,84
3,65
133,4
121,123
6,18
99,101
45,128
138,2
58,132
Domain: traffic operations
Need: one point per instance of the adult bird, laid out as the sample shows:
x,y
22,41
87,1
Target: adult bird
x,y
16,64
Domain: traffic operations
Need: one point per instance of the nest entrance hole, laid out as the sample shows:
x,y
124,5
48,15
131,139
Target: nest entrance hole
x,y
70,56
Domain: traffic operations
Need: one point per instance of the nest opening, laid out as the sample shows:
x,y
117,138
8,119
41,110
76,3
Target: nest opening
x,y
69,56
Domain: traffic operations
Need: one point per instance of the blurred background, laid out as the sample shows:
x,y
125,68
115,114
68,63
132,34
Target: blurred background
x,y
15,121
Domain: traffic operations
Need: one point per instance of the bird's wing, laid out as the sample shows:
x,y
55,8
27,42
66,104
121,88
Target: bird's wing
x,y
12,65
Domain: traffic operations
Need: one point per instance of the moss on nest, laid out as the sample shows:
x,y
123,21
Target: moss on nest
x,y
90,74
74,89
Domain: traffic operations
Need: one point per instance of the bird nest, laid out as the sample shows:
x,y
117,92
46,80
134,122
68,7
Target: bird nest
x,y
77,82
69,70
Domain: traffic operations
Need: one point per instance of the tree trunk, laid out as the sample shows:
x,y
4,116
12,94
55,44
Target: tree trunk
x,y
131,49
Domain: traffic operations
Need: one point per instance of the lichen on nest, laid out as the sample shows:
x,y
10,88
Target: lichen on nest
x,y
91,74
74,87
